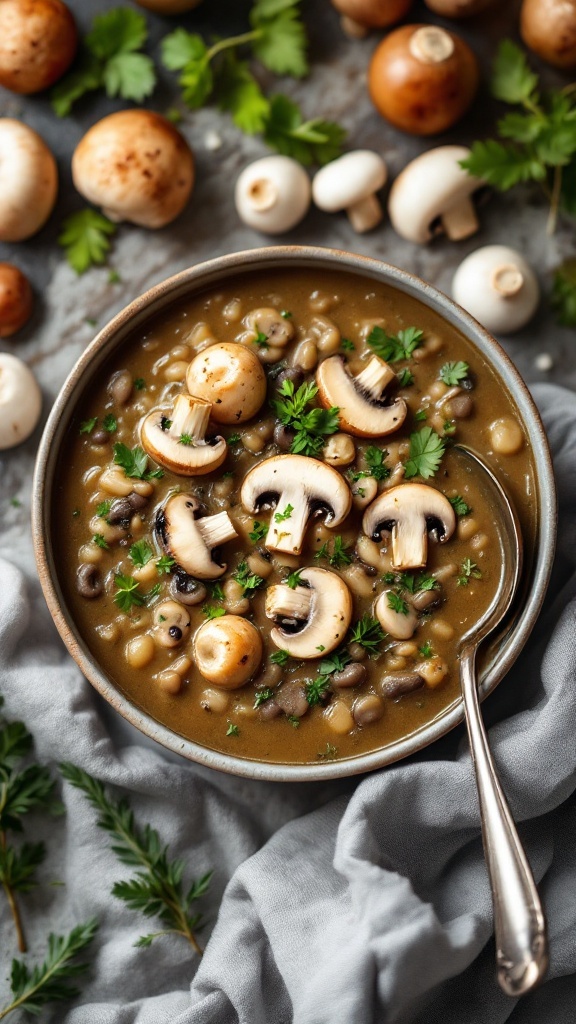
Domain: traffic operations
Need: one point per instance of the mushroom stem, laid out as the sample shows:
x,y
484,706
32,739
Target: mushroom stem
x,y
262,194
365,214
288,534
284,602
375,377
190,417
460,221
431,45
507,280
409,543
216,530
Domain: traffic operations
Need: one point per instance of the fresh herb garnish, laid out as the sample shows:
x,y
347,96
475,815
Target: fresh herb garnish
x,y
261,696
85,238
564,292
459,505
134,462
140,553
338,557
426,650
129,595
449,428
165,564
294,721
425,455
368,633
317,688
420,415
310,425
139,383
396,603
453,373
294,580
88,425
392,348
261,340
286,314
213,611
281,517
111,60
233,439
279,657
103,508
249,581
232,730
110,423
216,592
405,378
98,539
258,532
468,570
374,459
329,753
412,582
347,345
157,888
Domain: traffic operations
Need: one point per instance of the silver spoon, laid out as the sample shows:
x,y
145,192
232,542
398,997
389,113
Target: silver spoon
x,y
519,923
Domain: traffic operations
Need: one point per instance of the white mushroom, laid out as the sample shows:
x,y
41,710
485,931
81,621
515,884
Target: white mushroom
x,y
298,488
20,401
178,442
433,195
273,194
312,618
135,165
396,616
231,377
28,181
498,287
191,541
350,183
227,651
360,400
410,511
268,332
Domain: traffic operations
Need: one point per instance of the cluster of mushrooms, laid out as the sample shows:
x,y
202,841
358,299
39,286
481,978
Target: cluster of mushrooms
x,y
226,384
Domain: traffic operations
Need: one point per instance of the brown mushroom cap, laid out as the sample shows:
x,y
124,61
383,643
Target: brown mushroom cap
x,y
373,13
28,181
360,407
548,27
136,166
15,299
230,376
410,511
227,651
38,41
423,79
458,8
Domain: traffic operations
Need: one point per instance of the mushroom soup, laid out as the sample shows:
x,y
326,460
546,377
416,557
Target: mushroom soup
x,y
263,534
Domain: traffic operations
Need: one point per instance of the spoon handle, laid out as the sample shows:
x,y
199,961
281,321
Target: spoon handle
x,y
519,923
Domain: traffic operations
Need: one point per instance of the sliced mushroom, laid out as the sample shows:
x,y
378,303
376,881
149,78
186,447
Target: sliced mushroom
x,y
497,286
312,619
189,540
350,183
432,196
410,511
398,623
227,651
178,442
171,623
298,488
231,377
360,399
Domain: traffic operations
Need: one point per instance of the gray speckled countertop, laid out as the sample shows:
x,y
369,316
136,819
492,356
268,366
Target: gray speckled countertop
x,y
336,89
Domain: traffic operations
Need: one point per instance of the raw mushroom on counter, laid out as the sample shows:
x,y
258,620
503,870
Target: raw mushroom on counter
x,y
227,651
350,183
498,287
311,618
28,181
273,194
230,376
410,511
433,195
136,166
38,41
548,28
178,442
297,487
359,16
360,399
15,299
422,79
191,541
20,401
458,8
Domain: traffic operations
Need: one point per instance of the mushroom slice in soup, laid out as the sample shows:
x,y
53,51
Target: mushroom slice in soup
x,y
410,511
360,400
178,443
191,541
313,617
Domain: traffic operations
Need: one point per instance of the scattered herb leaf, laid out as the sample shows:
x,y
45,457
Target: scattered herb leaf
x,y
453,373
258,532
425,455
392,348
249,581
368,633
141,553
85,238
459,505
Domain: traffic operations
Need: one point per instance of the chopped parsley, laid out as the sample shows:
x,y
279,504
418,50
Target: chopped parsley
x,y
286,314
103,509
412,582
449,428
128,593
165,564
316,689
134,462
213,611
294,721
233,439
338,557
347,345
426,451
281,517
262,696
232,730
88,425
394,347
258,532
396,603
311,426
405,378
110,423
216,592
279,657
368,633
186,440
421,415
453,373
140,553
374,458
329,753
468,570
139,383
426,650
249,581
261,340
459,505
293,580
99,540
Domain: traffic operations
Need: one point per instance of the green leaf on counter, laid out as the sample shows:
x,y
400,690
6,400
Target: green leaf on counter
x,y
564,293
85,238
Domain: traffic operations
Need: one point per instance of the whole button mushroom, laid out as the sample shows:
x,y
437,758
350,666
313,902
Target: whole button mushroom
x,y
360,399
20,401
15,299
458,8
38,41
230,376
351,183
28,181
498,287
299,488
273,194
548,27
227,651
312,618
136,166
178,442
410,511
433,195
358,16
423,79
190,540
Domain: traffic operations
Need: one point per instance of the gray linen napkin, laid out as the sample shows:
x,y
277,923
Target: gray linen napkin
x,y
343,903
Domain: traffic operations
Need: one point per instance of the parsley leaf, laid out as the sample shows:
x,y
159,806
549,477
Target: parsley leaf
x,y
316,689
394,347
213,611
368,633
249,581
512,80
110,423
258,532
85,238
134,462
98,539
128,593
564,293
279,657
261,696
468,570
241,96
88,425
374,459
396,603
141,553
280,42
405,378
281,517
310,142
165,564
426,451
459,505
338,557
310,425
103,508
453,373
293,579
232,730
426,650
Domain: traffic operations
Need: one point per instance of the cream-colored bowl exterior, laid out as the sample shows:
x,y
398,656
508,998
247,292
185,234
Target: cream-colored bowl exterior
x,y
509,643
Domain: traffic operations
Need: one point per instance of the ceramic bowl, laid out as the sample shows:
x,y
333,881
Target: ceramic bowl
x,y
503,651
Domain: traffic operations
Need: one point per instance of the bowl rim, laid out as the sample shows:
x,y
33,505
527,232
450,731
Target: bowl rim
x,y
184,284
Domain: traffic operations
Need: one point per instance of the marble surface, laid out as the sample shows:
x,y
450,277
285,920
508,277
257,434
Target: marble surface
x,y
65,303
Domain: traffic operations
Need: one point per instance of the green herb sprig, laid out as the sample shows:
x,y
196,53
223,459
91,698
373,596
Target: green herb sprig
x,y
157,889
311,426
425,454
564,293
134,462
393,348
249,581
85,237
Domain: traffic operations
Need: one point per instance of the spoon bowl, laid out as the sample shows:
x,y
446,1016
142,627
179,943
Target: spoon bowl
x,y
519,923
